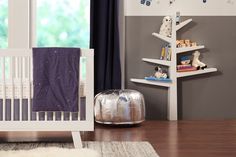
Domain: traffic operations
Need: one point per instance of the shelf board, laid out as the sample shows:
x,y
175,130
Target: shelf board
x,y
162,37
155,83
182,24
157,61
186,49
198,72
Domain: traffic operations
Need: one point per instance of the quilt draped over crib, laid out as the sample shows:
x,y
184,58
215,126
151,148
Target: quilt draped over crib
x,y
56,79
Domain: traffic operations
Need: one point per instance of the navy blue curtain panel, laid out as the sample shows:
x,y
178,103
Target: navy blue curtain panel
x,y
104,40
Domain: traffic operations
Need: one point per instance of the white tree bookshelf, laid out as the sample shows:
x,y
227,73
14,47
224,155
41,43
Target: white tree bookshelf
x,y
172,65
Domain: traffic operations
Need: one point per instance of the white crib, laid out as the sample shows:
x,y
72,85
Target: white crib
x,y
16,92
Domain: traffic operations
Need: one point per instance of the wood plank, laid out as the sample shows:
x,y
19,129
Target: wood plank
x,y
169,139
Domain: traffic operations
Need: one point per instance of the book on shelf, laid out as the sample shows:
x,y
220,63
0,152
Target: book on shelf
x,y
163,53
179,67
187,69
169,53
166,52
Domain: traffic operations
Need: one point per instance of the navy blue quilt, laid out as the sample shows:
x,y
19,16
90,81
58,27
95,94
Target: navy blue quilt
x,y
56,79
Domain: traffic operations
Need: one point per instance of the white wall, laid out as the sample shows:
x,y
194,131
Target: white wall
x,y
186,7
18,23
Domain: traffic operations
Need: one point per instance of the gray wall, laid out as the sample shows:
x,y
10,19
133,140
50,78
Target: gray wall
x,y
209,96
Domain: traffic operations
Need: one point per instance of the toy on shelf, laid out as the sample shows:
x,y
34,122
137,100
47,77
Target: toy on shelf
x,y
159,75
188,43
196,62
147,2
177,18
166,52
185,65
185,60
166,26
185,43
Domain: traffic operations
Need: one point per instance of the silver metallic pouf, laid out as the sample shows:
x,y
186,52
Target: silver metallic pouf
x,y
119,107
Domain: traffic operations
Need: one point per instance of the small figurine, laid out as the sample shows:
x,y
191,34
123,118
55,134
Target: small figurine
x,y
187,43
160,74
180,43
196,62
148,2
177,18
185,60
166,27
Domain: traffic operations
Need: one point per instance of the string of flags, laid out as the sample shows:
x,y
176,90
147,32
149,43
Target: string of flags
x,y
149,2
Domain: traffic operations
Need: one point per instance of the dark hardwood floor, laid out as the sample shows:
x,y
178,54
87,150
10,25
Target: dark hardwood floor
x,y
169,139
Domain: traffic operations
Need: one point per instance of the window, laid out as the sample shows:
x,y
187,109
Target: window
x,y
3,23
66,24
4,34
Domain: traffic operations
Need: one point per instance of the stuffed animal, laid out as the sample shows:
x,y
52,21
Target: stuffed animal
x,y
166,26
160,74
185,60
196,62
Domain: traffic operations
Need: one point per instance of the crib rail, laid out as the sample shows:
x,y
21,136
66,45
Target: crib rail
x,y
16,92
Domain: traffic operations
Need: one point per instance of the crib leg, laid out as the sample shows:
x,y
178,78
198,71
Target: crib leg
x,y
77,139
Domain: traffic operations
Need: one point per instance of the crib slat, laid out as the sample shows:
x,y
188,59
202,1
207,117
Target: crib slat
x,y
12,87
70,116
29,88
23,67
23,78
3,89
45,116
31,69
21,92
37,116
16,67
54,116
62,116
